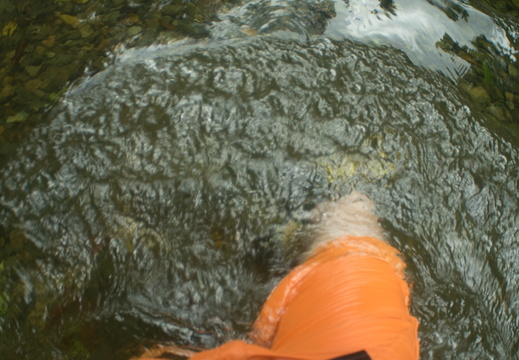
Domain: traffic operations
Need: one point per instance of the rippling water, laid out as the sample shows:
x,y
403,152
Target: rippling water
x,y
369,22
162,199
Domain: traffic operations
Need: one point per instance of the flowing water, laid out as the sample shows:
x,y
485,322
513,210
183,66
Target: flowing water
x,y
164,197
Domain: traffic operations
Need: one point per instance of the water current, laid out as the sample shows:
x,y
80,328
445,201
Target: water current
x,y
164,197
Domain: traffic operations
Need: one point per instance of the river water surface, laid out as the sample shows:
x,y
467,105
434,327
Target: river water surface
x,y
163,199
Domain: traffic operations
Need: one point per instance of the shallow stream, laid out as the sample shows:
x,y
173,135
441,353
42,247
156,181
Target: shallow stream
x,y
164,197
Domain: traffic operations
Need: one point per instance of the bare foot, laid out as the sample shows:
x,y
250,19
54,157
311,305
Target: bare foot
x,y
352,214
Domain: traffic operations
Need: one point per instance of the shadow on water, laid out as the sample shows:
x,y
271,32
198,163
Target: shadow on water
x,y
163,199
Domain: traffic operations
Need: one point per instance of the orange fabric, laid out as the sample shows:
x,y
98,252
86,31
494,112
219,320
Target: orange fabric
x,y
350,296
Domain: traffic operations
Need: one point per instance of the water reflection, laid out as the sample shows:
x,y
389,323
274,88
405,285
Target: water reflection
x,y
415,27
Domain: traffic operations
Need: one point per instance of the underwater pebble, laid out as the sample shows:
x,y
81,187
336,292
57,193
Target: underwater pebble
x,y
40,50
7,91
495,93
85,30
247,30
134,30
171,10
497,112
49,41
9,56
152,22
19,117
480,95
62,60
73,21
132,19
35,84
32,70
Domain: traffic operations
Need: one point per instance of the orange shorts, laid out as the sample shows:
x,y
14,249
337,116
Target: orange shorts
x,y
349,296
